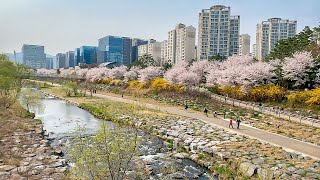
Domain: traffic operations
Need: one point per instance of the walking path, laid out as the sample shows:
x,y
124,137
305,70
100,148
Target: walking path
x,y
275,139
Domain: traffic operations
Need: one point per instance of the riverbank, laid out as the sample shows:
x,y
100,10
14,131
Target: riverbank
x,y
226,154
25,152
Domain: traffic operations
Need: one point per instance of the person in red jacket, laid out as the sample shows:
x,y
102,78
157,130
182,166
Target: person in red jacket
x,y
230,124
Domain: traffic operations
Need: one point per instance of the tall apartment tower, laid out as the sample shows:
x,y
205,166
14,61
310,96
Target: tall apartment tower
x,y
254,51
164,52
218,32
270,32
244,44
180,45
34,56
153,48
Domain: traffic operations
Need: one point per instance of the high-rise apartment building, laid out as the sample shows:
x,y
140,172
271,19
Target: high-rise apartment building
x,y
34,56
61,60
164,52
180,45
218,32
270,32
244,44
135,44
70,61
254,51
153,48
115,49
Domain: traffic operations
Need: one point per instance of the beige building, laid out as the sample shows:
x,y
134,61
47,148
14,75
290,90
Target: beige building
x,y
244,44
153,49
164,52
270,32
254,51
180,45
218,32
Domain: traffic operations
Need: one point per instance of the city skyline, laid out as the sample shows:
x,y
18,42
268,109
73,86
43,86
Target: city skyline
x,y
37,22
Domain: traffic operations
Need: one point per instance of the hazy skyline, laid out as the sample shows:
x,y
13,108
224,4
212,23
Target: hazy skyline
x,y
63,25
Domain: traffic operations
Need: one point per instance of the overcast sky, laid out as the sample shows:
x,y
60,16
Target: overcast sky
x,y
62,25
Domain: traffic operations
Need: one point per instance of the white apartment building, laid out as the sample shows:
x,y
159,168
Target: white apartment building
x,y
254,51
218,32
244,44
153,49
180,45
164,52
270,32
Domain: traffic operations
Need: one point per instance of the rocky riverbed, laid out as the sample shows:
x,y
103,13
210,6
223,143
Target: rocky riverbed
x,y
35,159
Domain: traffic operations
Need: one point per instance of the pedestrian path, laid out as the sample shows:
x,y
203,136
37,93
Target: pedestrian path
x,y
275,139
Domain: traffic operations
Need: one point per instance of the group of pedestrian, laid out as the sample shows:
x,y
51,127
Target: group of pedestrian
x,y
215,114
238,121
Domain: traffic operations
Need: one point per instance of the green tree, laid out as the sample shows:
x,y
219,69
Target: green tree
x,y
9,82
287,47
70,87
145,61
104,156
31,98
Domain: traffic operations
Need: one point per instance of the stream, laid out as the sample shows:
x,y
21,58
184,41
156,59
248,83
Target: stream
x,y
60,119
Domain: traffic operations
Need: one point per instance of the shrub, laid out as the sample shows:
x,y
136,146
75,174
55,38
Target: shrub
x,y
116,82
311,97
266,93
105,81
159,84
135,84
234,92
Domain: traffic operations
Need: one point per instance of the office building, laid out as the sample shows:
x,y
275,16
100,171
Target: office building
x,y
87,55
33,56
153,49
115,49
77,56
180,44
70,59
244,44
61,60
218,32
49,63
270,32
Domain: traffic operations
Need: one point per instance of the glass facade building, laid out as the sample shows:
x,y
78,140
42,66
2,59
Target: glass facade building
x,y
115,49
70,61
88,55
34,56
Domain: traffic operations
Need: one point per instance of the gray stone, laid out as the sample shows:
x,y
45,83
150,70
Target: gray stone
x,y
258,161
180,155
291,169
6,168
4,175
300,172
248,168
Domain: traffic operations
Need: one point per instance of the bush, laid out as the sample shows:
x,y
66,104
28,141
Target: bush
x,y
116,82
266,93
159,84
234,92
105,81
311,97
135,84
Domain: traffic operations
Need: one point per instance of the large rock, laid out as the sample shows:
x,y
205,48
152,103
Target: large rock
x,y
248,169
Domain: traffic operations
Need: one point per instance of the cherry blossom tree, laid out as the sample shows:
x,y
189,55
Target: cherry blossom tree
x,y
132,74
117,72
46,72
95,74
149,73
172,74
201,68
296,68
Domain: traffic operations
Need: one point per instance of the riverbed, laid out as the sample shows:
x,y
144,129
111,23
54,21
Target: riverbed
x,y
62,119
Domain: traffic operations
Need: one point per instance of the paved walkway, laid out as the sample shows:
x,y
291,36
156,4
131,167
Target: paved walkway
x,y
275,139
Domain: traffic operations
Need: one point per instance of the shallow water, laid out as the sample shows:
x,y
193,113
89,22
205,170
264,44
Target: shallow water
x,y
61,119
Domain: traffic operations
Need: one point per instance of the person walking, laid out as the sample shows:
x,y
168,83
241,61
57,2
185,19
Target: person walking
x,y
230,124
186,107
205,111
238,123
215,114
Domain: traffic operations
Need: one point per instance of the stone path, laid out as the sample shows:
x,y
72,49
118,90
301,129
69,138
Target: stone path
x,y
275,139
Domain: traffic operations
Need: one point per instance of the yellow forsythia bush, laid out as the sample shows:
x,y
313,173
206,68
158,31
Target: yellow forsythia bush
x,y
234,92
266,93
135,84
159,84
116,82
105,81
311,97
